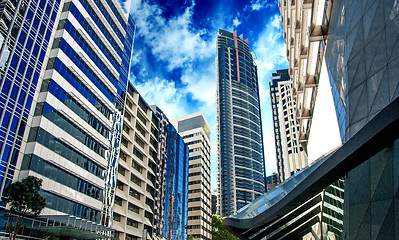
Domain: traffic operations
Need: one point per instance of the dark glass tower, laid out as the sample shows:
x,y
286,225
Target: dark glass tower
x,y
25,32
241,171
172,182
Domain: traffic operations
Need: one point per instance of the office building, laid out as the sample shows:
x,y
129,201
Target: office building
x,y
76,125
172,201
196,134
22,53
214,202
290,155
272,181
352,45
133,212
241,171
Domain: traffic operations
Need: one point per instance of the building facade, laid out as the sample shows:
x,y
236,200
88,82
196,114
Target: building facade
x,y
133,212
173,182
196,134
241,171
22,53
290,155
76,125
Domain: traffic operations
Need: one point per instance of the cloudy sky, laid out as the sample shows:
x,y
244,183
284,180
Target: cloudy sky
x,y
175,49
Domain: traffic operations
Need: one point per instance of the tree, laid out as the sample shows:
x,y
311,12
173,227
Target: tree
x,y
24,199
218,231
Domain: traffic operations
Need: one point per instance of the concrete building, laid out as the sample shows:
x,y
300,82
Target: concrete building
x,y
196,134
75,128
241,171
22,54
133,212
172,182
352,46
290,156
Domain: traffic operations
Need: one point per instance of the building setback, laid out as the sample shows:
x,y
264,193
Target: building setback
x,y
133,215
173,180
290,155
196,134
76,125
241,171
22,53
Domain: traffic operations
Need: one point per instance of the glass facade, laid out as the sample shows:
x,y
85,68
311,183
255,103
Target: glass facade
x,y
176,187
241,172
24,37
77,119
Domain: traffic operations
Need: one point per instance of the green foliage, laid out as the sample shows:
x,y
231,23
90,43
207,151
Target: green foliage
x,y
218,231
24,198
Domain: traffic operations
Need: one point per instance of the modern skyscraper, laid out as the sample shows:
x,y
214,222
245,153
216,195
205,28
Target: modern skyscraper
x,y
75,131
172,183
241,171
25,32
289,154
196,134
133,215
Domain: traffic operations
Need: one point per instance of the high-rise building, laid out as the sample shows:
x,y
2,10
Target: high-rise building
x,y
133,212
241,171
172,200
196,134
214,202
272,181
76,127
25,31
290,155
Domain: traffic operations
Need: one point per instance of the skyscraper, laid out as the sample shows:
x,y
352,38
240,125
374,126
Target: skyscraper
x,y
75,131
196,134
25,32
290,155
241,171
172,182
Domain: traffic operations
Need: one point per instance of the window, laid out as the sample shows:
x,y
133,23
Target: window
x,y
132,223
136,166
119,185
118,201
135,179
133,208
116,217
121,170
134,193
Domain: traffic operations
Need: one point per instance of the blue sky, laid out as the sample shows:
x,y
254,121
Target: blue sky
x,y
175,49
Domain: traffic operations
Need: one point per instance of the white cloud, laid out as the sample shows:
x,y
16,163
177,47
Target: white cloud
x,y
173,40
257,5
164,94
236,22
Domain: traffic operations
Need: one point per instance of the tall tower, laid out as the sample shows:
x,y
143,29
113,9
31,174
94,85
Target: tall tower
x,y
241,171
22,51
289,154
195,131
172,181
75,132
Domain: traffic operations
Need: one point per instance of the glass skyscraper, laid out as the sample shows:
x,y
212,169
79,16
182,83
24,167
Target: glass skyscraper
x,y
75,131
241,171
172,183
25,32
